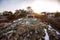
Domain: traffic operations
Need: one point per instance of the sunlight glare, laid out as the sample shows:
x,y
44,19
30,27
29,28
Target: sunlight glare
x,y
45,6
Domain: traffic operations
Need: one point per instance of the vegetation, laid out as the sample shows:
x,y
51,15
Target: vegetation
x,y
17,26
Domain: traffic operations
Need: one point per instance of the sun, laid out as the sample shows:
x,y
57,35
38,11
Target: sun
x,y
44,6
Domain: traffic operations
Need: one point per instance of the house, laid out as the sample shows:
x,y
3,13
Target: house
x,y
50,15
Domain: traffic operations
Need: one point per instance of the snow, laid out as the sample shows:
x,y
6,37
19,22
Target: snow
x,y
11,31
50,28
47,36
57,32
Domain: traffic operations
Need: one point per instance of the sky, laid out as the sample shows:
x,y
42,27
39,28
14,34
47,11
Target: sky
x,y
37,5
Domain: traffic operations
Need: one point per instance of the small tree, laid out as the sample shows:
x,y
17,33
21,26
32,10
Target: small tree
x,y
29,9
5,13
57,14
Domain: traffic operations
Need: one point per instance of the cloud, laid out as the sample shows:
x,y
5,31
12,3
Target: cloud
x,y
14,4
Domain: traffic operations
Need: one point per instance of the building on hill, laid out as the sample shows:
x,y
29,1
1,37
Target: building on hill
x,y
51,15
30,13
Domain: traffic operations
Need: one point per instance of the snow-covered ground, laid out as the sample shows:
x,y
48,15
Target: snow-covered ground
x,y
50,28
